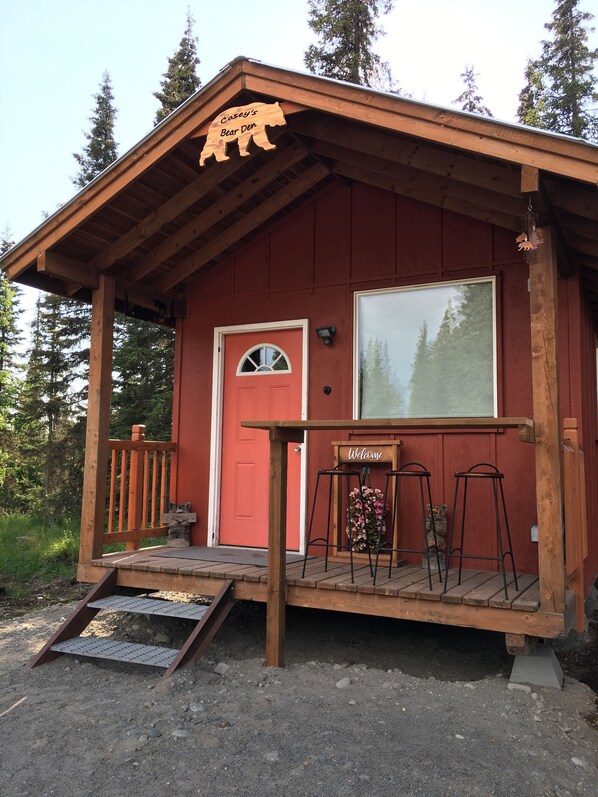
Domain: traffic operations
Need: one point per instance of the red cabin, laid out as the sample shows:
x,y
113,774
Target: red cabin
x,y
348,271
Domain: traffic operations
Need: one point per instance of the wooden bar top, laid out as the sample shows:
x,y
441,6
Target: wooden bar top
x,y
525,425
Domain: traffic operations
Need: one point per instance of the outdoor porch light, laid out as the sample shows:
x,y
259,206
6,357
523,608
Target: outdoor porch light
x,y
326,334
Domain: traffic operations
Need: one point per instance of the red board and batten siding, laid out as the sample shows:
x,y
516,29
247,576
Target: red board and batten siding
x,y
308,266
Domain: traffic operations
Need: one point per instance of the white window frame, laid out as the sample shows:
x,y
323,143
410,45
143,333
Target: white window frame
x,y
423,286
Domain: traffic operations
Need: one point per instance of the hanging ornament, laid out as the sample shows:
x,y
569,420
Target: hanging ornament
x,y
531,238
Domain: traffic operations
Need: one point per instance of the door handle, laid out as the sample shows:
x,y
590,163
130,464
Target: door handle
x,y
297,449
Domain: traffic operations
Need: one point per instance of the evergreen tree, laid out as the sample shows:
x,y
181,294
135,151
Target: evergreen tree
x,y
101,148
9,341
470,99
46,414
381,395
419,383
531,98
143,379
568,65
180,79
346,31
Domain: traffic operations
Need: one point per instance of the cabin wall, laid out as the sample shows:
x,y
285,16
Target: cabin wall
x,y
308,266
583,380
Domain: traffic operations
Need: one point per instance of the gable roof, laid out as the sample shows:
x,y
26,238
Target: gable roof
x,y
154,218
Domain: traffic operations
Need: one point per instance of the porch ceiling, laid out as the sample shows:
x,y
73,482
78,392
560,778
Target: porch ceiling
x,y
155,219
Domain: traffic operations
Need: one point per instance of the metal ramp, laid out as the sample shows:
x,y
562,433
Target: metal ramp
x,y
67,639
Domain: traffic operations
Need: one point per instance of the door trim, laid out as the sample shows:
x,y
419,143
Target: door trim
x,y
220,334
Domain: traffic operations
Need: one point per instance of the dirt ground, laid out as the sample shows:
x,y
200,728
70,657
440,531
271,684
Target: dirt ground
x,y
366,706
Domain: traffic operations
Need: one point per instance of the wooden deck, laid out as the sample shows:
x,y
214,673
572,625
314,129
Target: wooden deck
x,y
477,602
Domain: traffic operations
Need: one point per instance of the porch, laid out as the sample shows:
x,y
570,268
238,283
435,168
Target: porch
x,y
138,486
478,602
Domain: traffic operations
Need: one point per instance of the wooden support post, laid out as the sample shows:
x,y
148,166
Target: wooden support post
x,y
98,421
277,543
135,505
520,644
545,387
530,179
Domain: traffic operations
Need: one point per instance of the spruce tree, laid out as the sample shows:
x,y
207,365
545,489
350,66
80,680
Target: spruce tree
x,y
469,99
143,378
531,97
346,31
46,414
567,65
101,148
180,80
10,338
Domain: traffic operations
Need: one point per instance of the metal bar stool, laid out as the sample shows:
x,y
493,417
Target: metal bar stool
x,y
393,479
340,473
495,477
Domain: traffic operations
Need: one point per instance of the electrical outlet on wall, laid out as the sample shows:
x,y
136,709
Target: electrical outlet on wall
x,y
534,533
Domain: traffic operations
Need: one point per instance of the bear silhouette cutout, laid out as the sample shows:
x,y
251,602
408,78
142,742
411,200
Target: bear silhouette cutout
x,y
241,124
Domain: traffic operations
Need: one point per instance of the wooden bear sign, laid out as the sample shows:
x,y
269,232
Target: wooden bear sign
x,y
241,124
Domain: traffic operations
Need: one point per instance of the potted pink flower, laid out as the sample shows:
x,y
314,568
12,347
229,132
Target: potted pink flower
x,y
365,518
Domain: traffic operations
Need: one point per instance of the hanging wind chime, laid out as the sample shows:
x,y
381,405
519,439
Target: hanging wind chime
x,y
531,237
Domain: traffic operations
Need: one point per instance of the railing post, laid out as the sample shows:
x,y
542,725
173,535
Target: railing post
x,y
135,505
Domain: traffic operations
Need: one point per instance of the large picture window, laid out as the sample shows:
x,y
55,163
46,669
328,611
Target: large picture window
x,y
426,351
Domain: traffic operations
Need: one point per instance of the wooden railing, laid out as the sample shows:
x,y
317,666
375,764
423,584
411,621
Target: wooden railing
x,y
574,505
138,482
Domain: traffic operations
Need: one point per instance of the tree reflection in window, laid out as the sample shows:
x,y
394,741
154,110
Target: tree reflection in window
x,y
263,359
427,351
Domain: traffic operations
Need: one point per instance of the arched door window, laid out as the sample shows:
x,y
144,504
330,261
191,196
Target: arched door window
x,y
263,359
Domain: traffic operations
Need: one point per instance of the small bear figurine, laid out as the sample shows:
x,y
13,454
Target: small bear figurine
x,y
179,519
437,512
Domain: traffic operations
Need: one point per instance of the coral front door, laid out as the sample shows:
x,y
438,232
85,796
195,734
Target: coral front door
x,y
262,380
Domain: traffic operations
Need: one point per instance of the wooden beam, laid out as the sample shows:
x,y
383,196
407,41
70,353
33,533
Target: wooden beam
x,y
243,227
168,211
511,143
424,193
218,211
530,179
277,544
524,425
98,420
120,174
131,294
375,143
577,200
545,388
54,265
411,180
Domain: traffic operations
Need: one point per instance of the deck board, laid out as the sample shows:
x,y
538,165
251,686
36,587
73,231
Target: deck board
x,y
529,599
407,589
455,593
481,596
422,590
523,582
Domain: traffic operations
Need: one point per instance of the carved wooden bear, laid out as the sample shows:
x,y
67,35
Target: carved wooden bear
x,y
241,124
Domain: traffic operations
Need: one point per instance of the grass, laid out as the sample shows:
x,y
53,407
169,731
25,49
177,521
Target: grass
x,y
34,554
32,550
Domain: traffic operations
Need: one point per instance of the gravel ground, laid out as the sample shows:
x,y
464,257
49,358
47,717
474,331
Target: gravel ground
x,y
365,707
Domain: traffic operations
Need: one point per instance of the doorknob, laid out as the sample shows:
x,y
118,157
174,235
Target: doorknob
x,y
297,449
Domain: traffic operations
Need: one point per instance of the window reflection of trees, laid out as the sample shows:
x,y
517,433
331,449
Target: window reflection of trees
x,y
451,374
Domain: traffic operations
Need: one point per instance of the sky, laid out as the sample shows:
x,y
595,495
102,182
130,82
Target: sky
x,y
53,54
